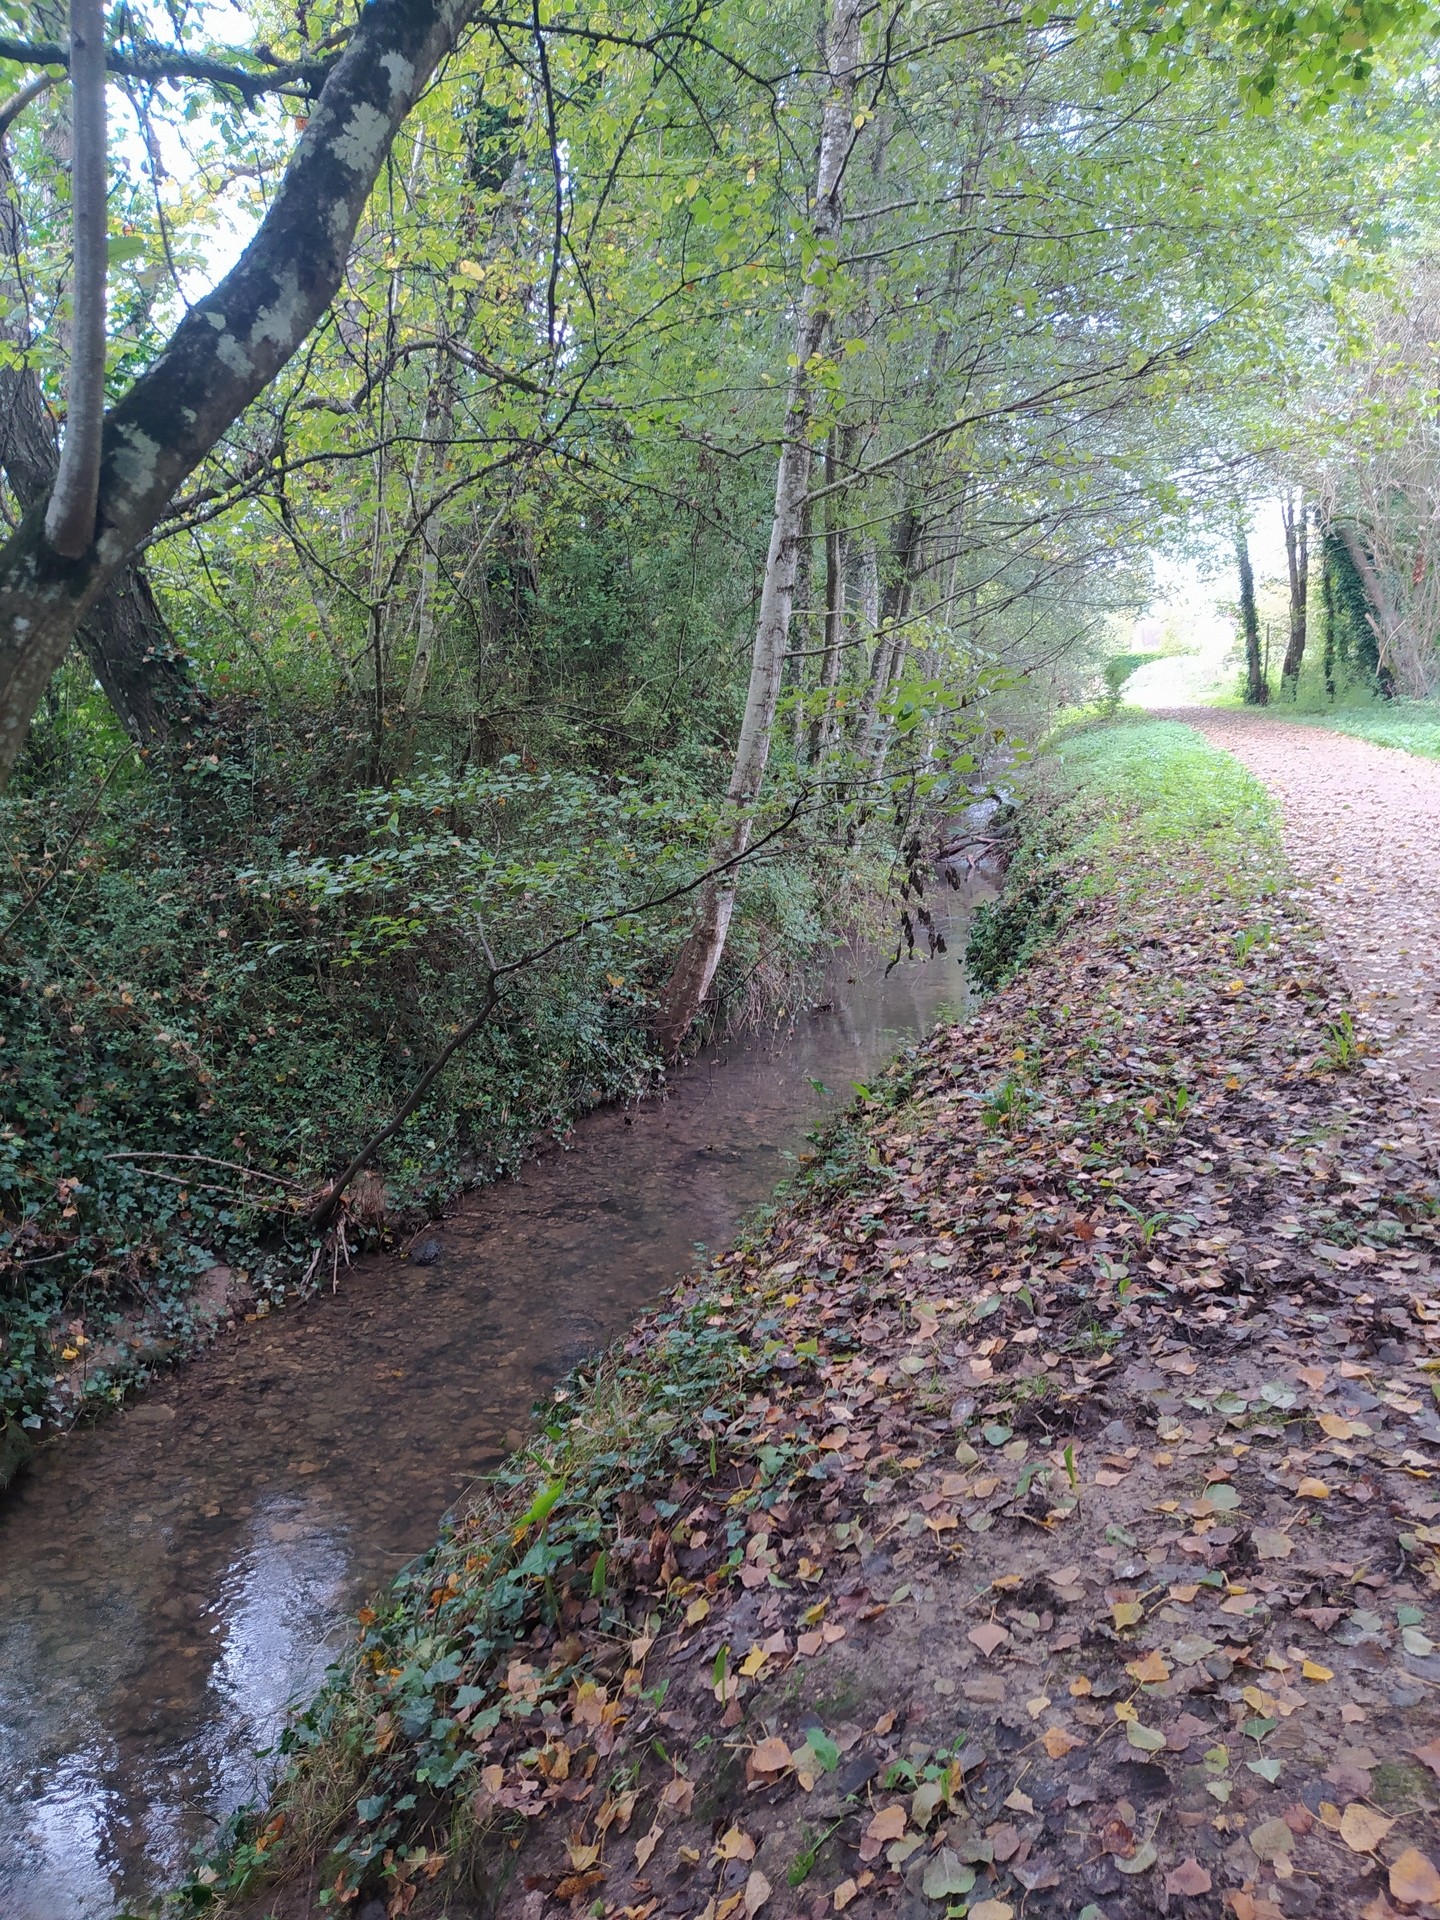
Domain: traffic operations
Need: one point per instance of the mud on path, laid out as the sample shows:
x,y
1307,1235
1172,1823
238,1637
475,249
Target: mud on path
x,y
1361,827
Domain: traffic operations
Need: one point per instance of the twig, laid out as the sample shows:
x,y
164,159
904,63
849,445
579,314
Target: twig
x,y
231,1166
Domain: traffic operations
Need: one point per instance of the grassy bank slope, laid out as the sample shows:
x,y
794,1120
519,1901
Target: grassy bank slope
x,y
1037,1512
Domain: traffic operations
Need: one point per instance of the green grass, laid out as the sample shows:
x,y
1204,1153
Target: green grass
x,y
1165,781
1411,725
1113,801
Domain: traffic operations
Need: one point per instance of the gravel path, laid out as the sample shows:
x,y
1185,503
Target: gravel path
x,y
1362,832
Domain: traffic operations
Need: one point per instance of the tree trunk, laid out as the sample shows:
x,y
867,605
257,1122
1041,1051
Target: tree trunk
x,y
146,677
226,350
1297,560
822,727
1257,693
701,954
70,511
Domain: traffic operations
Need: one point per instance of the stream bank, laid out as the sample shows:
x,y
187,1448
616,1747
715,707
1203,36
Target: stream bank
x,y
172,1577
1040,1511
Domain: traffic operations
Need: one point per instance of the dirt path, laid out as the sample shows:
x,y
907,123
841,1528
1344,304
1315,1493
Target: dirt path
x,y
1362,832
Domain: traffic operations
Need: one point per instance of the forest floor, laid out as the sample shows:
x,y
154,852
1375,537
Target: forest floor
x,y
1037,1515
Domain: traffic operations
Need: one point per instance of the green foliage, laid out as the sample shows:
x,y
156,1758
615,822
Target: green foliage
x,y
1117,670
1351,650
166,999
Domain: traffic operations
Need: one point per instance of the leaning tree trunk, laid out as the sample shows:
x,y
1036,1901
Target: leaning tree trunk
x,y
145,676
694,971
1257,693
1297,561
226,350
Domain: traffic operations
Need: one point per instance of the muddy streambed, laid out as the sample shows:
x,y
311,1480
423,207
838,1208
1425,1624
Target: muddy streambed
x,y
170,1579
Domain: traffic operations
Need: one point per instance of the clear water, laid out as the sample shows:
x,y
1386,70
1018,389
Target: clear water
x,y
171,1579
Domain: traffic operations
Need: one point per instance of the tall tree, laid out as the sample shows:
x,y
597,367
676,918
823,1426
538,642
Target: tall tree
x,y
1297,562
694,970
1257,691
225,351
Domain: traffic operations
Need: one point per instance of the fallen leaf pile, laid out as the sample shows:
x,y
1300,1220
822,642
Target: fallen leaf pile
x,y
1068,1539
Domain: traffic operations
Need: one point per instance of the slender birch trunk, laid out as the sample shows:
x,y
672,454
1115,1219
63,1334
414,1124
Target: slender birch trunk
x,y
822,728
694,971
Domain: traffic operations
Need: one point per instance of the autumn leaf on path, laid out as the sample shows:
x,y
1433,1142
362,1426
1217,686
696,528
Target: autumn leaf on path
x,y
988,1636
1414,1880
1188,1878
1362,1828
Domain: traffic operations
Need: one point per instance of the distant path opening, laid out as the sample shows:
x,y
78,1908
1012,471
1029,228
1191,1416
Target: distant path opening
x,y
1361,827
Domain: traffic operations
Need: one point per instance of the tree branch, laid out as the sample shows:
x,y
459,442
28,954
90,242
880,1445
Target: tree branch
x,y
150,61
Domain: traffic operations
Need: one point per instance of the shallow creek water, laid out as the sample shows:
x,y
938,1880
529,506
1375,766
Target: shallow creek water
x,y
171,1579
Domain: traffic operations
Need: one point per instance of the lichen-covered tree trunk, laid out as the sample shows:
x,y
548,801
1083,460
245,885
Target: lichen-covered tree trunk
x,y
1297,562
1257,693
694,971
226,350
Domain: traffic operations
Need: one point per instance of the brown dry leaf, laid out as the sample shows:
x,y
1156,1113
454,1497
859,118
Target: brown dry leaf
x,y
1414,1880
734,1845
646,1845
988,1636
1362,1828
1188,1878
1339,1429
843,1895
993,1910
1153,1669
1430,1755
1309,1489
1248,1906
772,1756
887,1824
1057,1742
678,1795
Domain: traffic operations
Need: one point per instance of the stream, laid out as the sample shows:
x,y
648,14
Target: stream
x,y
173,1577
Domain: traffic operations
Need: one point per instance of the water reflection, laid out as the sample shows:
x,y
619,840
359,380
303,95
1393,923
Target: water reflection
x,y
172,1579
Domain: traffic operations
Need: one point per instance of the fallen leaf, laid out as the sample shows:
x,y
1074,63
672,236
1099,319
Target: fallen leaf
x,y
1127,1613
1152,1669
1312,1670
1339,1429
1057,1742
646,1845
735,1845
1271,1838
1430,1755
1362,1828
1414,1880
757,1892
1309,1489
1188,1878
1147,1739
987,1637
887,1824
946,1876
843,1895
772,1756
993,1910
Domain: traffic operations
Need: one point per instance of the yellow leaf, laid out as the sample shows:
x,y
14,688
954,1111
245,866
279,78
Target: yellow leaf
x,y
1127,1613
1057,1742
1309,1489
735,1845
696,1611
843,1895
1151,1670
1362,1828
1414,1880
753,1662
1340,1429
1080,1686
1312,1670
